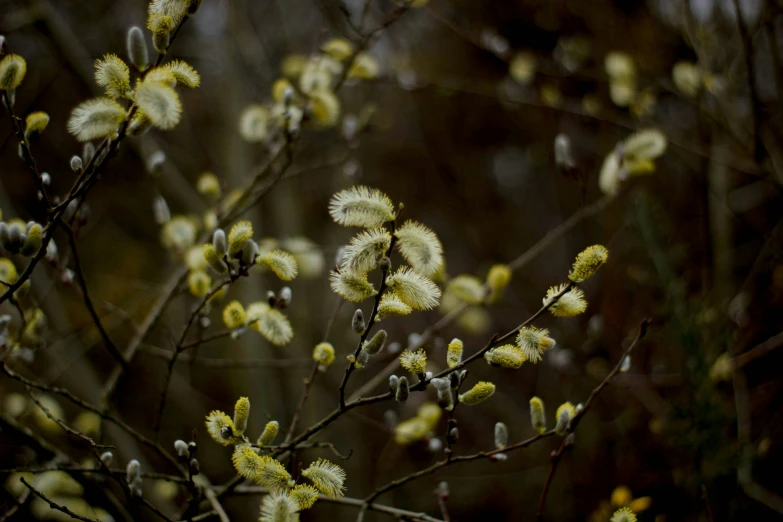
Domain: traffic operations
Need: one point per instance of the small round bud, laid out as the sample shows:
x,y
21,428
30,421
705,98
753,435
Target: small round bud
x,y
453,435
443,490
435,445
181,447
357,323
133,471
394,383
192,447
225,432
155,161
285,296
46,179
107,457
194,466
385,263
76,164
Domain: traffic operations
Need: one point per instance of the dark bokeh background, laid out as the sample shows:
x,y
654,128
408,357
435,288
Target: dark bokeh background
x,y
696,246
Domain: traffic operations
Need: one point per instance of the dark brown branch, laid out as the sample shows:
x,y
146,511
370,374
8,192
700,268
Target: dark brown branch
x,y
450,461
110,346
371,321
558,455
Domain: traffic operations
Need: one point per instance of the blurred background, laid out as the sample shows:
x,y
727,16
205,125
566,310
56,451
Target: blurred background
x,y
465,109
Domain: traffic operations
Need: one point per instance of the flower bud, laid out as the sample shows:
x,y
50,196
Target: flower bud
x,y
323,353
219,242
16,238
479,393
269,434
249,253
564,414
46,179
76,164
501,435
445,397
33,241
181,447
362,359
537,415
403,392
195,468
160,210
285,296
160,40
394,383
385,264
241,414
357,323
564,160
453,435
626,364
192,448
137,49
107,457
454,353
133,471
375,345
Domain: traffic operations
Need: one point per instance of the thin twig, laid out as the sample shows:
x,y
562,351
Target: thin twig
x,y
110,346
558,455
54,505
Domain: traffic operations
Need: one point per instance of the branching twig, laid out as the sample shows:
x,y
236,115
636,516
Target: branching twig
x,y
558,455
54,505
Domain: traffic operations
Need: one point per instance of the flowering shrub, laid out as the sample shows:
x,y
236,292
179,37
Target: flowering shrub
x,y
100,465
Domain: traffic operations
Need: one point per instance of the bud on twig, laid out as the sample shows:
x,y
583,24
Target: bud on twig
x,y
357,323
137,49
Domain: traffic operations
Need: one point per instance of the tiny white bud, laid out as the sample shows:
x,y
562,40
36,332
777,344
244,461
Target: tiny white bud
x,y
219,242
626,364
181,447
76,164
160,210
46,179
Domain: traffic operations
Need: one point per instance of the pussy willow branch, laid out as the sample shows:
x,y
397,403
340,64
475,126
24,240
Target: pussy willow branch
x,y
89,407
179,347
54,505
558,455
515,265
178,277
371,321
305,393
110,346
65,427
24,145
400,514
450,461
422,385
79,189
